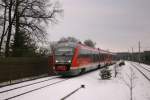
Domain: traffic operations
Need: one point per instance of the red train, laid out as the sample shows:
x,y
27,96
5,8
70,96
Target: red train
x,y
74,58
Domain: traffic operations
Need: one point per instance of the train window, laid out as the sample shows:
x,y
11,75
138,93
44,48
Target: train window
x,y
92,55
95,56
64,54
84,53
64,51
101,57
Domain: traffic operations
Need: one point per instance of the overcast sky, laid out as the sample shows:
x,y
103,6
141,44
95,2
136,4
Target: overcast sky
x,y
116,25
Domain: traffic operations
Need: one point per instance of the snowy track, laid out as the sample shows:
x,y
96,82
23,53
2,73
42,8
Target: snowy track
x,y
144,67
144,71
6,89
10,92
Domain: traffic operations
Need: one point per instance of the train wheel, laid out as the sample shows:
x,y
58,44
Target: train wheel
x,y
99,66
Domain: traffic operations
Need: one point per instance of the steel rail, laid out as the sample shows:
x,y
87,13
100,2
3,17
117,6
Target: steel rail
x,y
27,85
141,72
35,89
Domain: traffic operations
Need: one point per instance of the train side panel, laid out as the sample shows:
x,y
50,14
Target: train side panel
x,y
86,59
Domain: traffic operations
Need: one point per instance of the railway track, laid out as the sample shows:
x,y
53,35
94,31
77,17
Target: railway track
x,y
29,88
148,69
6,90
135,66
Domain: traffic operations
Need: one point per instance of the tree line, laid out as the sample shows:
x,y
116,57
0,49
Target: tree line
x,y
87,42
22,25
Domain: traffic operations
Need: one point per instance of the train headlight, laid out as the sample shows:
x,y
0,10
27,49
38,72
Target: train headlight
x,y
69,61
56,61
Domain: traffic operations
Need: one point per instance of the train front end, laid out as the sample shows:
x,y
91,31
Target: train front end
x,y
63,59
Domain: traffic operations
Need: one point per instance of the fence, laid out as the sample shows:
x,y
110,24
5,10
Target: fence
x,y
16,68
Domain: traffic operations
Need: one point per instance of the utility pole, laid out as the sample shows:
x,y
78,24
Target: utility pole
x,y
139,45
129,58
132,53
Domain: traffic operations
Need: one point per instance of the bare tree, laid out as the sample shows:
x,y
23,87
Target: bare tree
x,y
10,21
68,39
89,43
3,20
53,46
30,16
33,16
131,83
4,6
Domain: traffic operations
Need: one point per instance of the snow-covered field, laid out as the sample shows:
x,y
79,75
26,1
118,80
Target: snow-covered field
x,y
116,88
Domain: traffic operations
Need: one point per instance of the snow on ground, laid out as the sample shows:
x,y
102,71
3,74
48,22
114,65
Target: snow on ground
x,y
142,86
95,87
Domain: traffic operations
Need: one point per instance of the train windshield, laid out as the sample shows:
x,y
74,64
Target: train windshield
x,y
64,54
